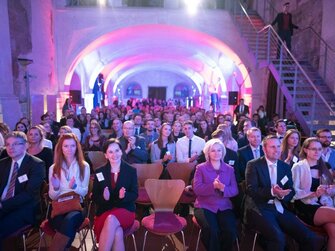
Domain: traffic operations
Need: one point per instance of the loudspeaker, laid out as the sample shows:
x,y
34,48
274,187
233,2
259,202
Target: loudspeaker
x,y
76,96
232,98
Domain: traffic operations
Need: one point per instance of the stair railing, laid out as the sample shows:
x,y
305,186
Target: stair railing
x,y
277,55
309,46
306,40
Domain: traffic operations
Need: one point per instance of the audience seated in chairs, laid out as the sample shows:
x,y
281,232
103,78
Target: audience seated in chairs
x,y
115,191
311,182
269,190
214,184
69,174
21,177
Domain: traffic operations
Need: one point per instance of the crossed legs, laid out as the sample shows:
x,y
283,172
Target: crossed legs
x,y
325,217
111,237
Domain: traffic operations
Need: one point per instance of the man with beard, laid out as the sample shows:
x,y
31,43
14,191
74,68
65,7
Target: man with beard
x,y
328,154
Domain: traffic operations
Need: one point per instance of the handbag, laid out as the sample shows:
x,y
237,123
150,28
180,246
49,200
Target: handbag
x,y
66,203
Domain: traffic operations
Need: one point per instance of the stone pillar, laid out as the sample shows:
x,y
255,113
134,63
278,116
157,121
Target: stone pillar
x,y
9,103
43,54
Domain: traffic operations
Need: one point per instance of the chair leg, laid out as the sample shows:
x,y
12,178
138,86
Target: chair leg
x,y
24,242
254,242
198,240
134,241
184,245
93,239
237,245
145,239
40,242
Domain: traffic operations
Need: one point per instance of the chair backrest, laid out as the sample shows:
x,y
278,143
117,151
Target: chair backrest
x,y
97,158
147,171
106,132
180,170
164,194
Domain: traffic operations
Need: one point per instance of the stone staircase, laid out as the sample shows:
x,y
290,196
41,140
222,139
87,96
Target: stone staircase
x,y
304,89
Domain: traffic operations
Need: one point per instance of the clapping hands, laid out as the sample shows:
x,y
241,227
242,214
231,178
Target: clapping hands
x,y
279,192
106,193
122,192
72,183
218,184
55,182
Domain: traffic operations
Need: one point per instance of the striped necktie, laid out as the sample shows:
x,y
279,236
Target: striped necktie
x,y
11,188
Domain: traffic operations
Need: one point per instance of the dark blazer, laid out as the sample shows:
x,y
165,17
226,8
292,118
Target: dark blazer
x,y
258,184
241,142
244,112
138,155
27,193
244,155
280,20
127,179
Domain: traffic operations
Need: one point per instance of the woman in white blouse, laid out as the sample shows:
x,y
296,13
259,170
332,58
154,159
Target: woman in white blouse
x,y
69,173
310,180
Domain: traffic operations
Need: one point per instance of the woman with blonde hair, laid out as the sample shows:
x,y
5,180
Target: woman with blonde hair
x,y
311,178
227,137
214,184
290,147
35,139
69,173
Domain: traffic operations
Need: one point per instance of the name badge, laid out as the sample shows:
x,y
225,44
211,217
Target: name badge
x,y
231,162
23,178
284,180
295,159
100,177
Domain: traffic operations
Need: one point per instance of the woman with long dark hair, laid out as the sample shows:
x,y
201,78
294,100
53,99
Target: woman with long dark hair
x,y
163,149
290,147
115,191
69,173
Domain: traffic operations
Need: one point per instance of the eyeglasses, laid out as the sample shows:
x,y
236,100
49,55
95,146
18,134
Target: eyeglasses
x,y
315,149
325,137
14,144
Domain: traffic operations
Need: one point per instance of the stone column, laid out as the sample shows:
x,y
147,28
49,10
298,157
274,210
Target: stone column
x,y
9,104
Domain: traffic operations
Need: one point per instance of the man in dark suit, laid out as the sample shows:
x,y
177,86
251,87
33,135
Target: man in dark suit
x,y
241,109
269,190
21,177
251,151
133,147
285,25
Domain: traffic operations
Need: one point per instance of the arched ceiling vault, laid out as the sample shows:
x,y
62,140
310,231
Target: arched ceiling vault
x,y
159,47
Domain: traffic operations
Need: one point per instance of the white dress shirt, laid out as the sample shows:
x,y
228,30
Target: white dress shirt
x,y
198,145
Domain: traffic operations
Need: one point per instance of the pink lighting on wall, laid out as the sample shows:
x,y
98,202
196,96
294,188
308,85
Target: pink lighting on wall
x,y
152,45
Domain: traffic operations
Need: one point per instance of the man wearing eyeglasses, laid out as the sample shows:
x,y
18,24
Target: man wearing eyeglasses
x,y
133,147
328,154
21,177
